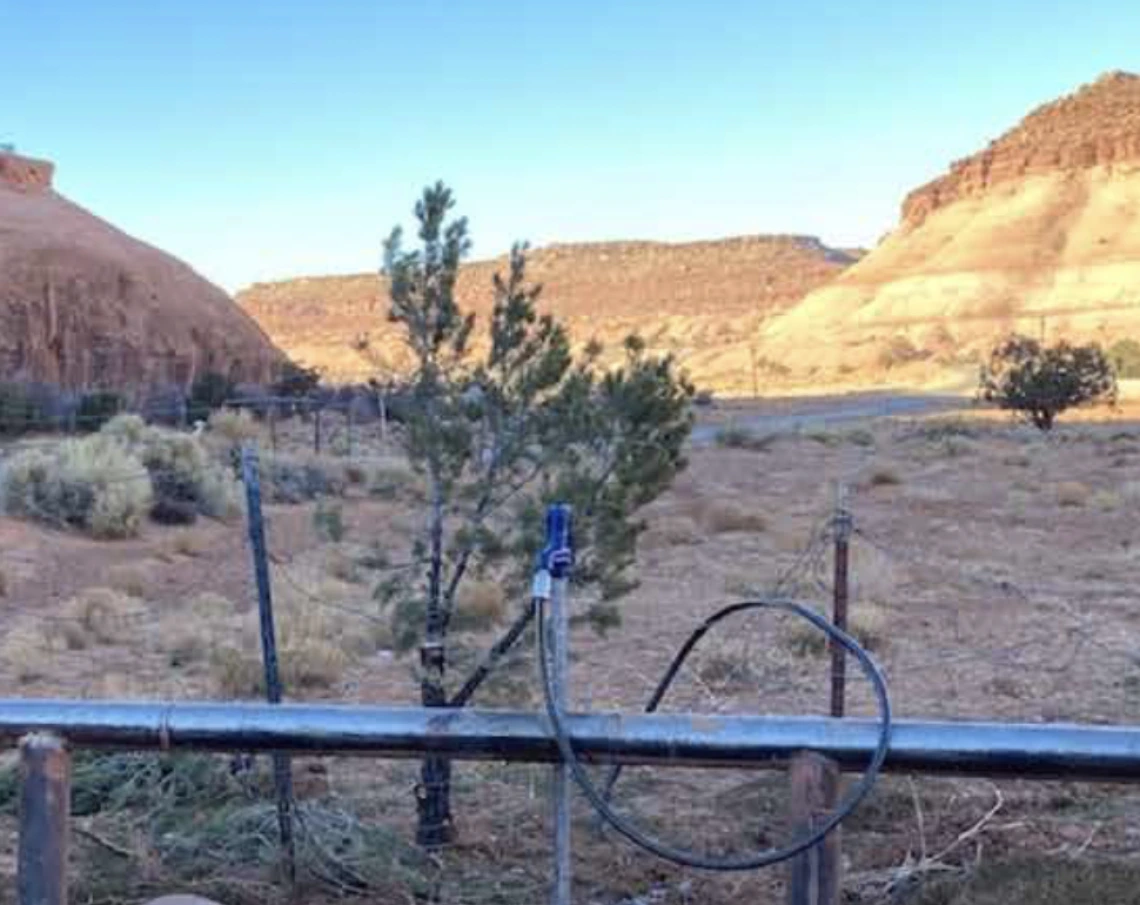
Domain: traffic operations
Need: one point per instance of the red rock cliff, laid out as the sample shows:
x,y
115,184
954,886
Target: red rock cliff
x,y
1097,125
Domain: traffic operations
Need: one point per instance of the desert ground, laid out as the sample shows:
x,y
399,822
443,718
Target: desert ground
x,y
993,578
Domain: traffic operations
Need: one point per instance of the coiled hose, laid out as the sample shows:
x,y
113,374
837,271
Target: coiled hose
x,y
600,800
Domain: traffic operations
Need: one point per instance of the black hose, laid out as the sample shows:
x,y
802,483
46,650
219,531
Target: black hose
x,y
758,859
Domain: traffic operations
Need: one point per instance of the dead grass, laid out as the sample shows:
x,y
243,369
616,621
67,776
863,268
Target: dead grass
x,y
130,578
723,516
732,437
1073,493
480,605
866,623
186,542
92,617
671,531
1038,881
188,634
26,652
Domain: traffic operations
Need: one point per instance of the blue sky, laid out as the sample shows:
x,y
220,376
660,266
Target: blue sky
x,y
260,140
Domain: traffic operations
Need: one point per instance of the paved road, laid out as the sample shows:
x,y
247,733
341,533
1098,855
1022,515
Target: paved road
x,y
825,412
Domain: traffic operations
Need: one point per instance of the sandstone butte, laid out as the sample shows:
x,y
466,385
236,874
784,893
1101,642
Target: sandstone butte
x,y
83,304
702,301
1038,233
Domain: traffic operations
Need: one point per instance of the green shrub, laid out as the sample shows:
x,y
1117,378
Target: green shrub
x,y
187,481
18,410
209,391
95,484
129,428
1125,356
328,521
96,409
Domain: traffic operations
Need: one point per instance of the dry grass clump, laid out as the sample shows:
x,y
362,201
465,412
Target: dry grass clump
x,y
233,427
733,437
866,623
322,627
1105,500
1073,493
390,478
130,578
188,633
480,605
1040,881
300,478
95,484
187,543
671,531
343,567
93,616
723,516
127,428
726,665
26,652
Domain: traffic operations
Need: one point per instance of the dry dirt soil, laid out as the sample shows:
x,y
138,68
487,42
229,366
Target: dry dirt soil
x,y
993,578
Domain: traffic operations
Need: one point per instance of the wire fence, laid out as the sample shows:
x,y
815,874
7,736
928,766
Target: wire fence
x,y
961,631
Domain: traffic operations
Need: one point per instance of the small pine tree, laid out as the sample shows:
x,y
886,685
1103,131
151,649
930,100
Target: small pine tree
x,y
499,433
1040,382
209,392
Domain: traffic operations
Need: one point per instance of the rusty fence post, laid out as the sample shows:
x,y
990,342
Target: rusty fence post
x,y
45,809
814,875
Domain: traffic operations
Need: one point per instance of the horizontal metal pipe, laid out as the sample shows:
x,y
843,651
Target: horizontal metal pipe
x,y
973,749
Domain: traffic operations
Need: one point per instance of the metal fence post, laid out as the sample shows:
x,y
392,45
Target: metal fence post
x,y
551,585
317,430
282,769
814,779
842,524
45,809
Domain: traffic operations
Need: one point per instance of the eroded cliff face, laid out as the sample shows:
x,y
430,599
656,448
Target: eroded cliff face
x,y
701,301
1099,125
83,304
1039,233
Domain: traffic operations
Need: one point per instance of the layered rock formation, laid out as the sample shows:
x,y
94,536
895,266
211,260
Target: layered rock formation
x,y
702,301
83,304
1037,233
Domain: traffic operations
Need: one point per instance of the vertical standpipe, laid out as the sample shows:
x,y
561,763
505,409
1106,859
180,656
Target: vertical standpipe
x,y
551,580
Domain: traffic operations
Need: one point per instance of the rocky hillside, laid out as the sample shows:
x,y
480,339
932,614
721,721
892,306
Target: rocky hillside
x,y
1039,233
702,301
83,304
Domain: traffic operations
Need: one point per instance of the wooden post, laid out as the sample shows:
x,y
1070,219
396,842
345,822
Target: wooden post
x,y
317,431
814,875
45,808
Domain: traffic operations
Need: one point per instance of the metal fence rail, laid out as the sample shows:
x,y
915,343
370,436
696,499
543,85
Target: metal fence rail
x,y
1029,751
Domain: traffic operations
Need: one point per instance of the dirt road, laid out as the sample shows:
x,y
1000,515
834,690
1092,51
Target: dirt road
x,y
821,412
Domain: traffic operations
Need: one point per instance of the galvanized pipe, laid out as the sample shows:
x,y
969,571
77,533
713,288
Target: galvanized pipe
x,y
1030,751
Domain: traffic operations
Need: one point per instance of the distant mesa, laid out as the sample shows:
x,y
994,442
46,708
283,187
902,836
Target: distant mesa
x,y
701,301
82,304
